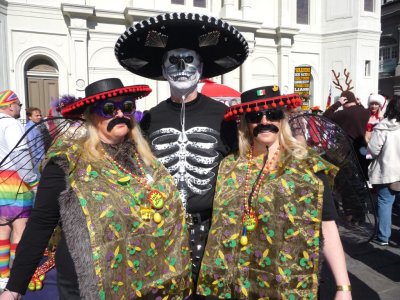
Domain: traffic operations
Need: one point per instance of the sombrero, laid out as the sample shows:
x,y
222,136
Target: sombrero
x,y
141,48
102,90
262,98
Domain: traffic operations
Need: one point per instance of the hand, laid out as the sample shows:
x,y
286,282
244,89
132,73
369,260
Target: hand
x,y
343,100
343,295
9,295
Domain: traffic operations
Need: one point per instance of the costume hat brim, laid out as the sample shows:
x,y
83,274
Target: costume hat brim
x,y
262,98
141,48
102,90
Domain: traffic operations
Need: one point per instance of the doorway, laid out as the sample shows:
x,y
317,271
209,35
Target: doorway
x,y
41,83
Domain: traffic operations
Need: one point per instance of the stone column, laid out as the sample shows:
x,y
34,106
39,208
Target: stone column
x,y
397,72
246,7
284,50
228,6
396,85
78,30
245,68
285,12
4,84
227,79
79,59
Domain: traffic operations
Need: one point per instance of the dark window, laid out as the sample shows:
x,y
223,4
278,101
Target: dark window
x,y
302,12
367,68
178,2
369,5
394,52
386,53
199,3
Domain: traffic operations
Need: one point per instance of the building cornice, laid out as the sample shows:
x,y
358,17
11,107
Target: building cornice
x,y
351,31
31,9
107,14
266,32
3,7
286,32
77,11
243,25
138,14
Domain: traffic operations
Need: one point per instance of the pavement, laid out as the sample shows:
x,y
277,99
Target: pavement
x,y
374,270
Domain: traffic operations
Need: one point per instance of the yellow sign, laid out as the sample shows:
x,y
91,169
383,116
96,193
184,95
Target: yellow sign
x,y
302,77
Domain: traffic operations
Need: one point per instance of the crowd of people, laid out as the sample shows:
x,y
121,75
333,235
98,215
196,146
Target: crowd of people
x,y
197,200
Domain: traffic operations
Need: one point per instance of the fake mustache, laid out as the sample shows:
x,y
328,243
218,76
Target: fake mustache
x,y
265,127
117,121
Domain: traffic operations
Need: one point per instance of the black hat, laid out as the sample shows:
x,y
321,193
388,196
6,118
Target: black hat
x,y
262,98
101,90
141,48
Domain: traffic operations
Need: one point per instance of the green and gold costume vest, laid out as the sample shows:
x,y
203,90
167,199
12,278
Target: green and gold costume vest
x,y
280,260
129,257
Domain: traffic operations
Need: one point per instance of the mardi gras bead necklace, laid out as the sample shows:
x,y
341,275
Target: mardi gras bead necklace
x,y
154,196
250,220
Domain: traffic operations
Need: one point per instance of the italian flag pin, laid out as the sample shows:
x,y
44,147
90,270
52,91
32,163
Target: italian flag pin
x,y
260,92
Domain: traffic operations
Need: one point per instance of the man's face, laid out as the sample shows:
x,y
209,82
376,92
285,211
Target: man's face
x,y
182,68
15,109
36,116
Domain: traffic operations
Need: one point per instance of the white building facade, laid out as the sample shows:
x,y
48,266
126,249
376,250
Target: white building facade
x,y
54,47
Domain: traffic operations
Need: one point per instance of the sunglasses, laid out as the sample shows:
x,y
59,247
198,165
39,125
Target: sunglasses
x,y
108,109
270,114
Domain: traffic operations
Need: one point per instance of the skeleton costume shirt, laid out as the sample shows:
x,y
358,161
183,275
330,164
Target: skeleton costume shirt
x,y
191,150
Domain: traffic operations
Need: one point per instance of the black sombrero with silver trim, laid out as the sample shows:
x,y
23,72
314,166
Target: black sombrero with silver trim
x,y
141,48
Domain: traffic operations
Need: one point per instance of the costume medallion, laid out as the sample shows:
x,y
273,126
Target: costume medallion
x,y
250,221
146,213
156,199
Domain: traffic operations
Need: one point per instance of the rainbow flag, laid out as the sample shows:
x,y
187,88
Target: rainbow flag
x,y
15,196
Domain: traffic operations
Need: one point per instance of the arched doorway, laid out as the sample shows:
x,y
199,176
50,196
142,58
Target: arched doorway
x,y
41,77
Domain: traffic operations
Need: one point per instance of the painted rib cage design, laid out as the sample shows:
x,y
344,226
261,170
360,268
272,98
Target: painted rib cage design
x,y
189,156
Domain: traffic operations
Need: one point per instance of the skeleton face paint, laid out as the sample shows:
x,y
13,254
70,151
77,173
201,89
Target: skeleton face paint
x,y
182,68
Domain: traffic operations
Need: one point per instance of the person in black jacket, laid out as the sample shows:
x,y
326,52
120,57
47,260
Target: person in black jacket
x,y
353,119
187,131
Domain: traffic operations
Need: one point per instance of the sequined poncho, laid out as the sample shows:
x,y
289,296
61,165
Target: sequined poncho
x,y
281,258
117,254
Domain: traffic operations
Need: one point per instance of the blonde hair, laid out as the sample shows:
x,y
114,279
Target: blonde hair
x,y
91,144
286,140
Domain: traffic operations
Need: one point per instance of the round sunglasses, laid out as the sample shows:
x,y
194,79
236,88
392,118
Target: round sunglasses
x,y
108,109
270,114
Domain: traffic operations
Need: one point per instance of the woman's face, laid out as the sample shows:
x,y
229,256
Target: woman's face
x,y
113,130
374,107
265,132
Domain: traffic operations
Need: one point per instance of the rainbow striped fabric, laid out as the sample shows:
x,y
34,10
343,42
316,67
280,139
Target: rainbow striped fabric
x,y
7,97
16,199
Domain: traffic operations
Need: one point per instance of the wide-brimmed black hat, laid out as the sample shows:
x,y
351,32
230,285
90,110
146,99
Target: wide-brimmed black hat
x,y
101,90
262,98
141,48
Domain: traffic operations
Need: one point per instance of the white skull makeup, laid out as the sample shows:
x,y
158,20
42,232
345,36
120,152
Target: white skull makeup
x,y
182,68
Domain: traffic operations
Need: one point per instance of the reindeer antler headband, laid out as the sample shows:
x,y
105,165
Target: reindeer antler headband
x,y
337,83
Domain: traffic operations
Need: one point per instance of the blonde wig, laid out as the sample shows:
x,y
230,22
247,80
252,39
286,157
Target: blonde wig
x,y
289,144
91,144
